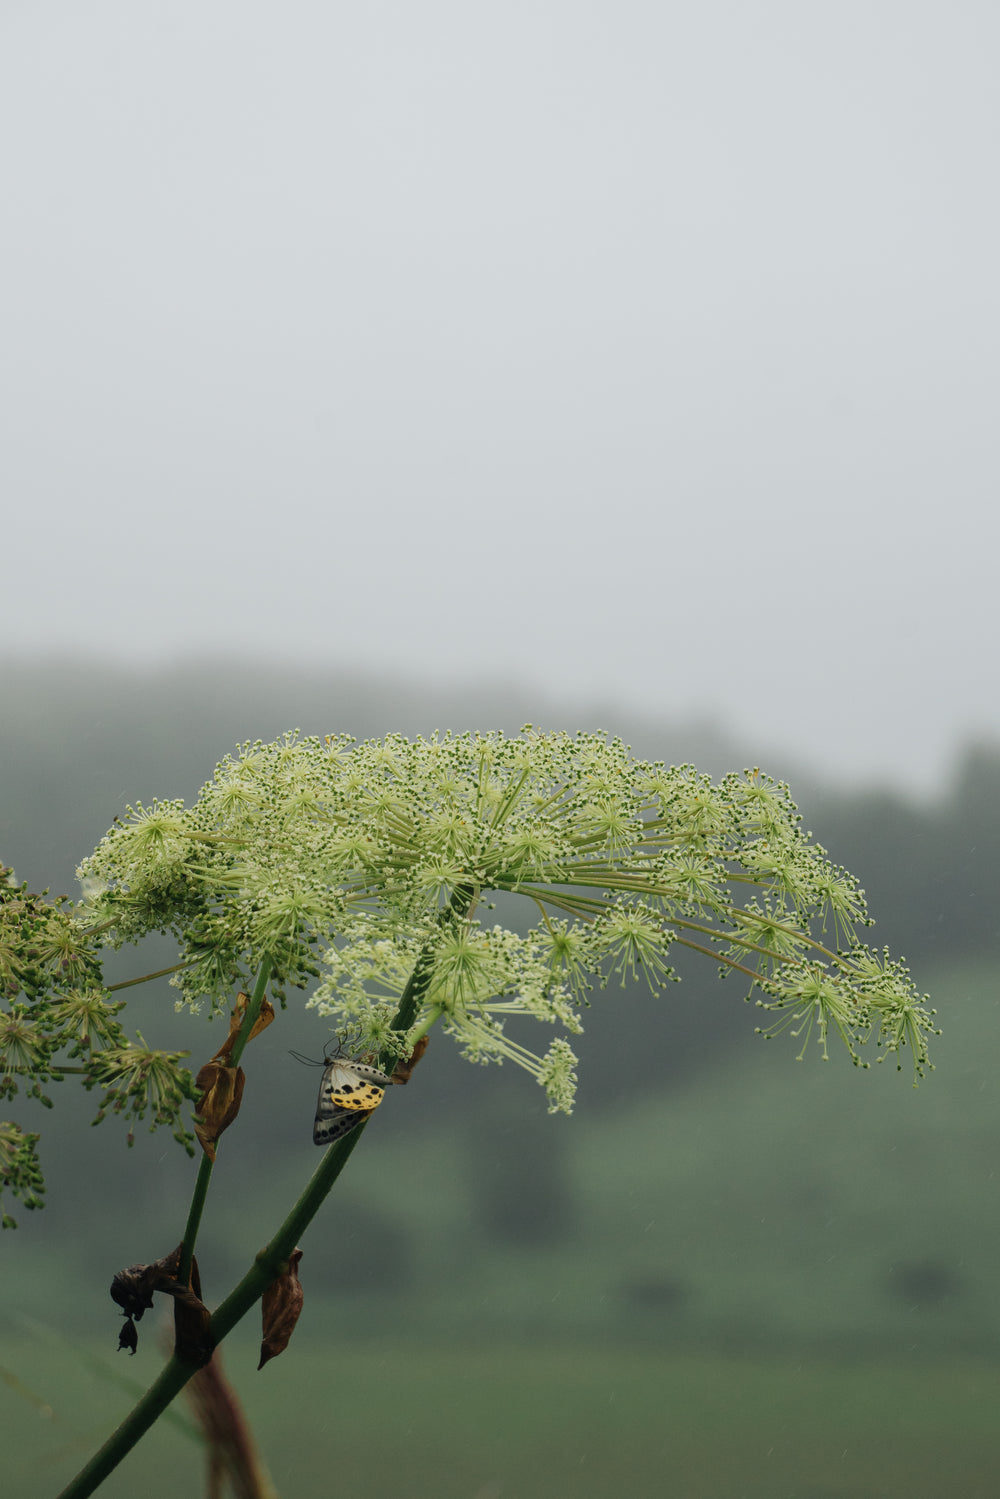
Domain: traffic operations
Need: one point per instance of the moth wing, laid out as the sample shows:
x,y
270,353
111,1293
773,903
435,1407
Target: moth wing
x,y
334,1125
371,1073
350,1085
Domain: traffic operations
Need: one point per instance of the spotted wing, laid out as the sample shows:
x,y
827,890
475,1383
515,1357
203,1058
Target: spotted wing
x,y
351,1085
330,1127
349,1091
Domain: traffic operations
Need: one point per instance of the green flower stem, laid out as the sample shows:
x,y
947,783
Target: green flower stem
x,y
200,1193
145,978
710,952
173,1378
198,1198
718,957
56,1071
427,1024
586,908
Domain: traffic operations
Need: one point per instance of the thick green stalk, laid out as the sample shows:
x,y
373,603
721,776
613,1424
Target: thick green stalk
x,y
145,978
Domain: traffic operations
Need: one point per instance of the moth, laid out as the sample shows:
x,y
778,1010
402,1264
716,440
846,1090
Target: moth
x,y
347,1094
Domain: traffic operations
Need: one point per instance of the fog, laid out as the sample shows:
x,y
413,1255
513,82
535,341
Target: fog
x,y
642,354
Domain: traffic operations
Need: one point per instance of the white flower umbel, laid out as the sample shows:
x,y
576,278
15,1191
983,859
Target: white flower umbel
x,y
365,865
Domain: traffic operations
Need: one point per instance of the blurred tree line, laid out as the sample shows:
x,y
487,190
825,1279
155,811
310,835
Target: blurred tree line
x,y
79,741
931,872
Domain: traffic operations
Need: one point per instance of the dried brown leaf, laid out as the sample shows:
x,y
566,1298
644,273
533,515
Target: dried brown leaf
x,y
281,1306
221,1094
132,1290
236,1020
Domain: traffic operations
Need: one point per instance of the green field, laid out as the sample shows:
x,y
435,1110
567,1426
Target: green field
x,y
583,1421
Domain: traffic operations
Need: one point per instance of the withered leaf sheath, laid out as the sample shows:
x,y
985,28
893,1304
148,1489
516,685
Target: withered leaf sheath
x,y
281,1305
132,1289
222,1084
262,1022
221,1095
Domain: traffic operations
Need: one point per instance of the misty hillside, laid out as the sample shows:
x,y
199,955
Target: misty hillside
x,y
80,740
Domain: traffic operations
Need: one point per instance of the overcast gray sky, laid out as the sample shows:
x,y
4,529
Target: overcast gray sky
x,y
648,350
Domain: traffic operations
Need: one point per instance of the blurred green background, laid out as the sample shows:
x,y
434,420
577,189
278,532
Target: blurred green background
x,y
730,1273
